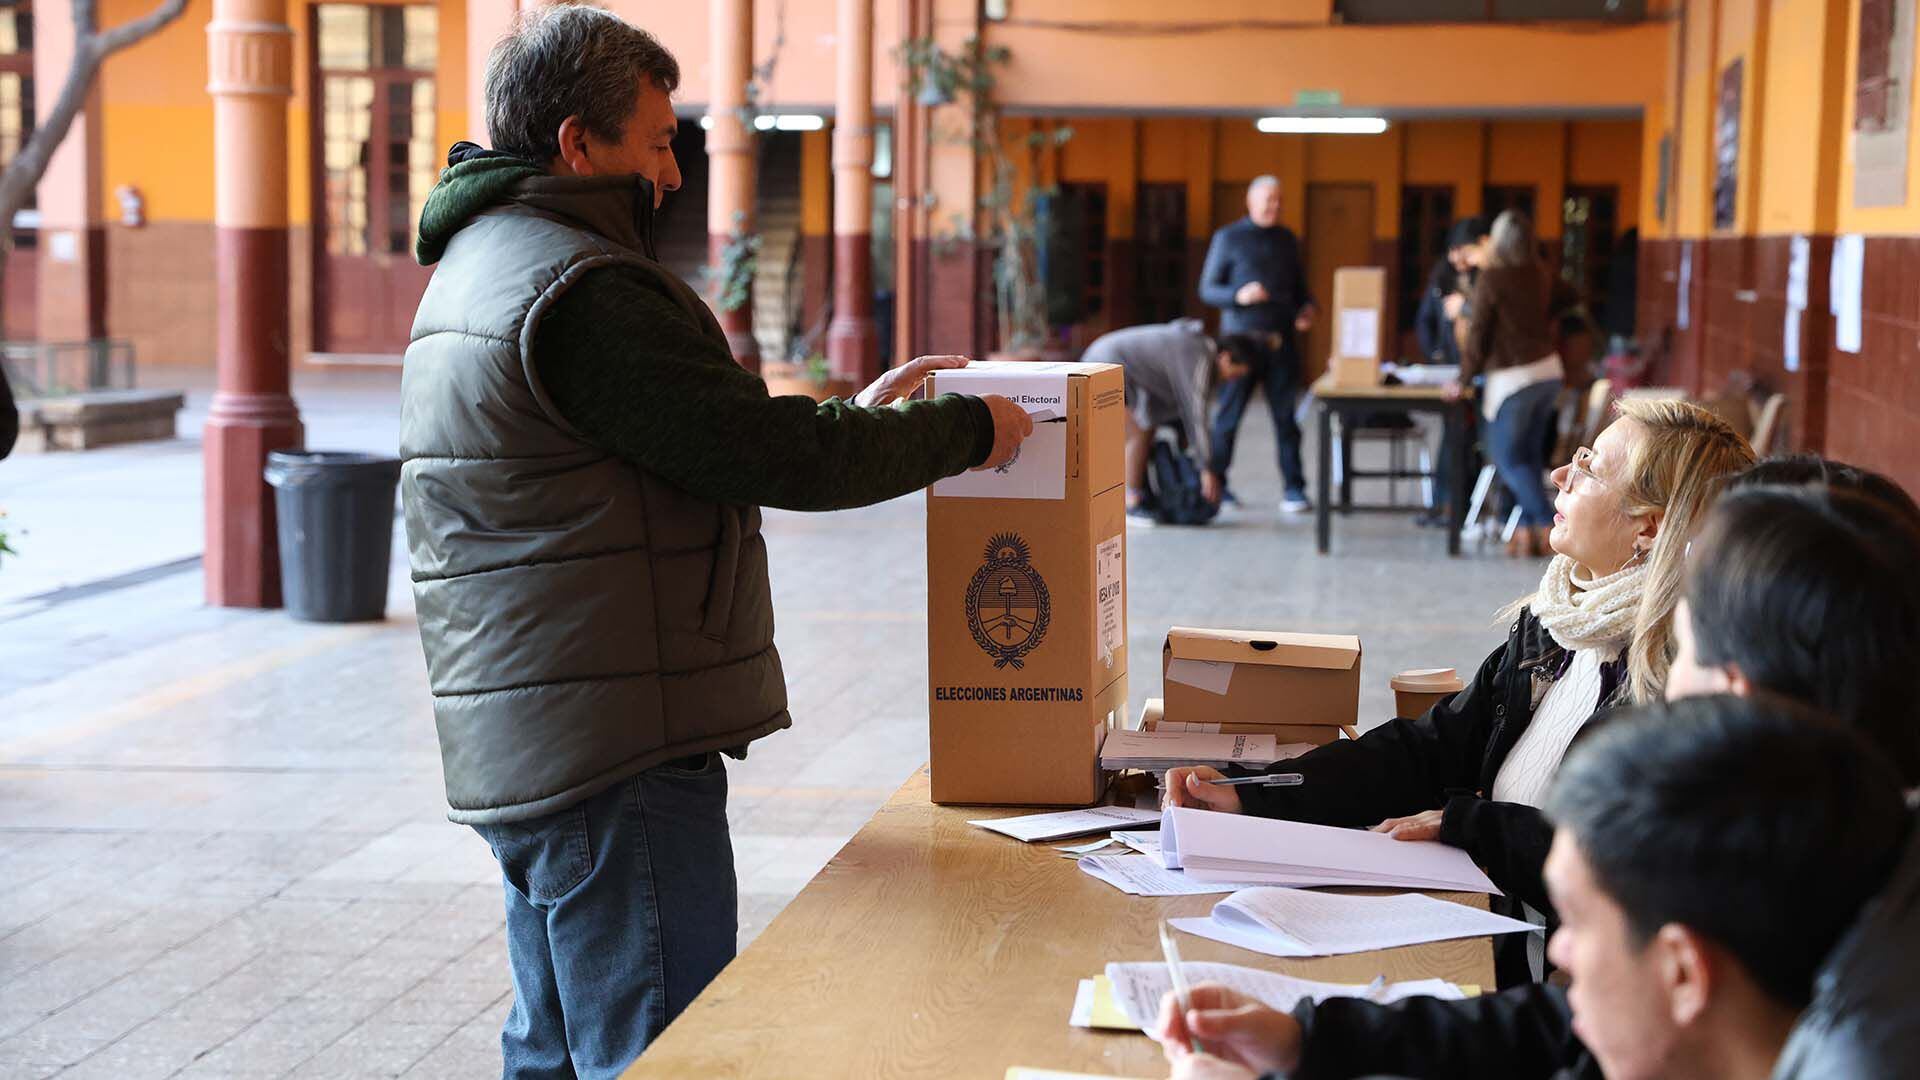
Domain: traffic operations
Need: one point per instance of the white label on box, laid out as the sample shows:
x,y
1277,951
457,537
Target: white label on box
x,y
1187,725
1039,469
1359,334
1209,675
1110,585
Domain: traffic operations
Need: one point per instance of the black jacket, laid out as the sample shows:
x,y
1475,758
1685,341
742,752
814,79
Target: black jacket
x,y
1244,252
9,415
1447,760
1430,322
1525,1033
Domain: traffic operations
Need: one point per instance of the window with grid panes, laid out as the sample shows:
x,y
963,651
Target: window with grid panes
x,y
16,90
379,155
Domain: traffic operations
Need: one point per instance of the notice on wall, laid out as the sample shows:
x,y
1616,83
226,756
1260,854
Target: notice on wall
x,y
1359,333
1799,266
1039,469
1882,102
1110,585
1845,285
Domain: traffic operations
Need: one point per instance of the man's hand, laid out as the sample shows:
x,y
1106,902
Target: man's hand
x,y
1235,1030
1251,293
1187,786
904,380
1452,391
1210,486
1303,322
1452,305
1422,826
1011,426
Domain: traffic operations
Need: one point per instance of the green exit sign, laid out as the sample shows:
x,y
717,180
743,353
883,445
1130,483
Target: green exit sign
x,y
1317,98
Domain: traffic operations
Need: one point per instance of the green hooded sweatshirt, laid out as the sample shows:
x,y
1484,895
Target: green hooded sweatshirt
x,y
642,379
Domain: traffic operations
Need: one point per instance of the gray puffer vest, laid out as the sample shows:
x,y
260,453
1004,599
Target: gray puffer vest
x,y
582,619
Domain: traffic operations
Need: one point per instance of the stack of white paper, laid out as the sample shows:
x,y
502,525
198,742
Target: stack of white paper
x,y
1212,846
1158,751
1064,823
1295,922
1139,988
1142,875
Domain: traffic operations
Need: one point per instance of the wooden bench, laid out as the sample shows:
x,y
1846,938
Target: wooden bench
x,y
96,418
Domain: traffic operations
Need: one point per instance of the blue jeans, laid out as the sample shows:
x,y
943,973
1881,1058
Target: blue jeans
x,y
1517,442
620,909
1278,370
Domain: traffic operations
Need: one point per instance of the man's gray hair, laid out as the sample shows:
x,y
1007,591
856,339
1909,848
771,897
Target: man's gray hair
x,y
566,60
1264,180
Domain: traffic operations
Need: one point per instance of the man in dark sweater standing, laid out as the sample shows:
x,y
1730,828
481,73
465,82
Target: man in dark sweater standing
x,y
584,471
1255,276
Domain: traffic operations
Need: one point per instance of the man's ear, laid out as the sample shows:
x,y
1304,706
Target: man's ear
x,y
1685,966
574,159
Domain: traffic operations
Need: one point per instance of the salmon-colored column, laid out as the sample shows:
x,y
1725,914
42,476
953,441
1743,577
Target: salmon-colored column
x,y
488,21
852,349
730,158
250,57
73,239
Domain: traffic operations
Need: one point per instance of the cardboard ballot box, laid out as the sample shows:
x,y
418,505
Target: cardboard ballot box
x,y
1359,315
1301,687
1026,595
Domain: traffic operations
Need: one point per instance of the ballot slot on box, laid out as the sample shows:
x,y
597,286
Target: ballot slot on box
x,y
1026,595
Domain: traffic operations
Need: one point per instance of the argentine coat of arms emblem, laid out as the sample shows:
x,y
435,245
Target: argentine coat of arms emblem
x,y
1007,605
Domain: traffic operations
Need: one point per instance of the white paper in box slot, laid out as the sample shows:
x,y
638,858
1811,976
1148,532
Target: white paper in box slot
x,y
1039,468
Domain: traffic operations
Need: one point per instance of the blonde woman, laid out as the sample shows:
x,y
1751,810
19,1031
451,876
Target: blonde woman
x,y
1509,345
1597,633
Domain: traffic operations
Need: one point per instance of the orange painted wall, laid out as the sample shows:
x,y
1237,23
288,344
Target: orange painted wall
x,y
1607,153
803,73
1542,66
1205,152
157,129
1451,153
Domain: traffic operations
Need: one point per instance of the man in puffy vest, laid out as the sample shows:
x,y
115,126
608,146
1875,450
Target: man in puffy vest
x,y
584,470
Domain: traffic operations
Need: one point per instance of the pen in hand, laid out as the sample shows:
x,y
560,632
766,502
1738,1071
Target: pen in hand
x,y
1285,779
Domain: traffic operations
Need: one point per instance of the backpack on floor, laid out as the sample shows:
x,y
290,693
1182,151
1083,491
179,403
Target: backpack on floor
x,y
1173,485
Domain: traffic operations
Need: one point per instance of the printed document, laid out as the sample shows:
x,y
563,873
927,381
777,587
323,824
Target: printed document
x,y
1064,823
1138,988
1216,846
1295,922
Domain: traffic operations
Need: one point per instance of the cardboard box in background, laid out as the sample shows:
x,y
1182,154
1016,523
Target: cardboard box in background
x,y
1359,320
1303,687
1026,596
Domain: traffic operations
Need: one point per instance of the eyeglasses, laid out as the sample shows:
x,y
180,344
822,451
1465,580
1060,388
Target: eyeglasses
x,y
1581,468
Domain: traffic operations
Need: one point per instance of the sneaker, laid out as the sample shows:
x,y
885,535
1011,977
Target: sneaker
x,y
1228,500
1296,502
1140,517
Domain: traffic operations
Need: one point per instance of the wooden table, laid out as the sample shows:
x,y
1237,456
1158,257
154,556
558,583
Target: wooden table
x,y
1350,403
931,948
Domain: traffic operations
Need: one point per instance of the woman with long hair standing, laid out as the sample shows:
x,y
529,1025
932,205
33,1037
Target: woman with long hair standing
x,y
1509,344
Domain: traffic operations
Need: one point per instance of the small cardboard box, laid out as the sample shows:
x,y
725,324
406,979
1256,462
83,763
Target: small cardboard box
x,y
1302,687
1359,319
1026,595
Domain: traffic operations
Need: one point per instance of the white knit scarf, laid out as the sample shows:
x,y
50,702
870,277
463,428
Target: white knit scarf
x,y
1582,614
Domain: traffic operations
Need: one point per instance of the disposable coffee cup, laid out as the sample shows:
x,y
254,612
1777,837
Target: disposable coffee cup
x,y
1416,691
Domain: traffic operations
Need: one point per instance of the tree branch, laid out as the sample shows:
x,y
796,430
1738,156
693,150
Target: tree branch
x,y
90,48
112,41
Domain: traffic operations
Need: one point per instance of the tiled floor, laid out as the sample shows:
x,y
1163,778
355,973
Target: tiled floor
x,y
222,842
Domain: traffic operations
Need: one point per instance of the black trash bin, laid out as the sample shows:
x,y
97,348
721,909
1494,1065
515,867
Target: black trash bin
x,y
336,532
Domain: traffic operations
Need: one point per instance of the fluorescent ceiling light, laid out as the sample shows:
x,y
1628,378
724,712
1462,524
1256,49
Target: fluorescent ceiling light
x,y
778,122
1321,125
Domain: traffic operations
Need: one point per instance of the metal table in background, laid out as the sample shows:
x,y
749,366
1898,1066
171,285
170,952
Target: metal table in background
x,y
1350,404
